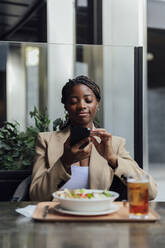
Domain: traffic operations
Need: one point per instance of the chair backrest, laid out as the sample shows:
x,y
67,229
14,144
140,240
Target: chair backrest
x,y
22,191
120,188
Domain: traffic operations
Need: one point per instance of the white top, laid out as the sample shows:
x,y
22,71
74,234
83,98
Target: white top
x,y
79,178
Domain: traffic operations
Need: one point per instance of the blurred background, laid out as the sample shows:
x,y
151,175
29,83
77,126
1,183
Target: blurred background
x,y
119,44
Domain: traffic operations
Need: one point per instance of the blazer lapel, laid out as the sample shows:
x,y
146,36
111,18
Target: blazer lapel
x,y
100,174
56,146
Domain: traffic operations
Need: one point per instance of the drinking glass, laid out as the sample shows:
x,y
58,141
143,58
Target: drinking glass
x,y
138,197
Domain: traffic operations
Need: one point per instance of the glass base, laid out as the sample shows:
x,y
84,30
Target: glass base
x,y
138,216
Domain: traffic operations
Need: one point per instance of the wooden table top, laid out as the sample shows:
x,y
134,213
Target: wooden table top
x,y
17,231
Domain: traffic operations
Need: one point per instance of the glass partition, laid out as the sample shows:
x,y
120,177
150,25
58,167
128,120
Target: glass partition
x,y
35,74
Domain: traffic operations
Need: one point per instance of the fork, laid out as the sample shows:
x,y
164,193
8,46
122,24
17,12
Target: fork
x,y
46,210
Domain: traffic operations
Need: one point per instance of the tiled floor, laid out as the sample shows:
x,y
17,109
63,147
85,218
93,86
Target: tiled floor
x,y
158,173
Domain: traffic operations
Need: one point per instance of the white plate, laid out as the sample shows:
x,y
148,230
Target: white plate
x,y
111,210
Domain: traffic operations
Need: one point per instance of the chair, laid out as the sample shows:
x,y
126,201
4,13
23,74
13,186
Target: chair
x,y
120,188
22,191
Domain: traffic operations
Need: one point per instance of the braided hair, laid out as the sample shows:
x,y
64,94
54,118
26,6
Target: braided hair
x,y
67,89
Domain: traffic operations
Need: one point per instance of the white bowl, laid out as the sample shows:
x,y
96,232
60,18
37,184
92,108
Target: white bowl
x,y
93,204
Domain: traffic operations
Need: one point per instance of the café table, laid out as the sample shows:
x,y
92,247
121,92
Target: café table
x,y
17,231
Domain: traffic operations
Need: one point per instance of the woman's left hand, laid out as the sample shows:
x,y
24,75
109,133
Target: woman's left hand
x,y
104,147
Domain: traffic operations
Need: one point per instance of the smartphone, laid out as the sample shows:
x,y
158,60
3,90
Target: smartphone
x,y
78,133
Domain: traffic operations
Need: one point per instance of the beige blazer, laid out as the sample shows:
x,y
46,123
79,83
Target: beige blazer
x,y
49,174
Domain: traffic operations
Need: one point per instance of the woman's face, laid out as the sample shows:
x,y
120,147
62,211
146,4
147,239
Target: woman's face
x,y
81,106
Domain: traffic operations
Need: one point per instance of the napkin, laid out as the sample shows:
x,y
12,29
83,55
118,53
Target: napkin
x,y
26,211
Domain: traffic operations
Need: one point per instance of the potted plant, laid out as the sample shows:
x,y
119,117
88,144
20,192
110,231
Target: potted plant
x,y
17,152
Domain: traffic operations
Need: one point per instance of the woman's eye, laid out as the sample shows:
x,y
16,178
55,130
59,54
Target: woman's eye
x,y
88,100
73,102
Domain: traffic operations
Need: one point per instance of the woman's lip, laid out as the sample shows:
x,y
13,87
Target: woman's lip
x,y
83,114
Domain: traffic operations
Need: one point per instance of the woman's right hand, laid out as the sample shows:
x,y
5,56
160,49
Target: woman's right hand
x,y
75,153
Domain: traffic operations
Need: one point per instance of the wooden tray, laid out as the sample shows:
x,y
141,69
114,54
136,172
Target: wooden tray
x,y
120,216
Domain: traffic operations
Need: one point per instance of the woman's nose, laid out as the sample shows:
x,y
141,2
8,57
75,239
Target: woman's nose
x,y
82,105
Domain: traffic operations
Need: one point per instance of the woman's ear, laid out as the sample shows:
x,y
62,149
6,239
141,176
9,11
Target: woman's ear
x,y
65,107
97,107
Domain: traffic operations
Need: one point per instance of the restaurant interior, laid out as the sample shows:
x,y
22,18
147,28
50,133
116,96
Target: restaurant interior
x,y
120,45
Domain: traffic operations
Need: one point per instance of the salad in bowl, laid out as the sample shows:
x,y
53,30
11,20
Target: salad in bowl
x,y
85,199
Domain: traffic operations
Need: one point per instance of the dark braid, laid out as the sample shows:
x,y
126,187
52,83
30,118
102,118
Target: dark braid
x,y
67,89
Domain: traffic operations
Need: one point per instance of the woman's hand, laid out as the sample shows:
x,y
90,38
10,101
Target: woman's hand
x,y
104,147
75,153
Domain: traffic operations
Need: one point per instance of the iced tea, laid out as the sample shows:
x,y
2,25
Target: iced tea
x,y
138,198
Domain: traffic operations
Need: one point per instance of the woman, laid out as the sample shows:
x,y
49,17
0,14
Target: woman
x,y
59,165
